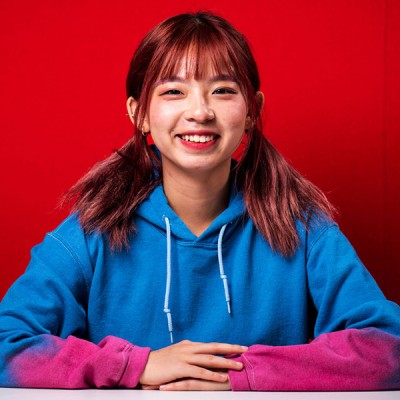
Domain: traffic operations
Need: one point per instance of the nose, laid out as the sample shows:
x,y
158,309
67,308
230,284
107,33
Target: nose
x,y
198,109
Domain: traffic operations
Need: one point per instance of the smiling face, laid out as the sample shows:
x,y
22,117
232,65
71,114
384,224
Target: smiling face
x,y
194,84
196,123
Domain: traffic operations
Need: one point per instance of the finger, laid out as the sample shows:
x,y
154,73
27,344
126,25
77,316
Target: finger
x,y
220,348
206,374
150,387
195,384
215,362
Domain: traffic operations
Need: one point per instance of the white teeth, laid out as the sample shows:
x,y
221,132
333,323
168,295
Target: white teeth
x,y
197,138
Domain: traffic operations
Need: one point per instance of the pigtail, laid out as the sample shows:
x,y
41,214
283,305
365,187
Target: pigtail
x,y
107,196
276,195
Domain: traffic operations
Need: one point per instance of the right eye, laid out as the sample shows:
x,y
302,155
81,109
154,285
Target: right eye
x,y
171,92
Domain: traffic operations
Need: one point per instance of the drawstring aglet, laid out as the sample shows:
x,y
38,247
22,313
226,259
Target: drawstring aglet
x,y
226,290
170,327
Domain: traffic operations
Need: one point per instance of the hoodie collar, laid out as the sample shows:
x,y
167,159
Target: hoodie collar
x,y
155,208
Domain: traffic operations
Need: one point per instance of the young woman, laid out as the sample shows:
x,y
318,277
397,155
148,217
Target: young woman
x,y
182,269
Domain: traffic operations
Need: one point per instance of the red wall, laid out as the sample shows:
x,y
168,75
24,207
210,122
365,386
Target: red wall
x,y
330,73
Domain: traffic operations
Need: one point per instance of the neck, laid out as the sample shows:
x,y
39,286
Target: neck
x,y
197,198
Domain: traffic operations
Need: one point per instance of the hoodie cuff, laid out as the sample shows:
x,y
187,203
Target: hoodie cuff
x,y
136,360
239,379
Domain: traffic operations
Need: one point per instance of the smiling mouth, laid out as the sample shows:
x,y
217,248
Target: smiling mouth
x,y
198,138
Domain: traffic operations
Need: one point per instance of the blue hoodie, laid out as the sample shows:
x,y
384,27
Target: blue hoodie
x,y
227,285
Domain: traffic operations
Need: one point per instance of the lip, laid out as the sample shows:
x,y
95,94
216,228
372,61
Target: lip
x,y
198,145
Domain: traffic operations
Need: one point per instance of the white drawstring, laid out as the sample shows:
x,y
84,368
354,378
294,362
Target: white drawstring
x,y
221,269
168,282
224,278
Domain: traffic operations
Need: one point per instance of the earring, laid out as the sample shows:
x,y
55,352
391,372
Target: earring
x,y
144,133
247,124
250,123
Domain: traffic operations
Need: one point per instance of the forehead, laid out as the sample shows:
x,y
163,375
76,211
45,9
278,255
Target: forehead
x,y
197,64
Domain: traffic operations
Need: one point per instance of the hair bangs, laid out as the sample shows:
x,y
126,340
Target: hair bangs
x,y
197,55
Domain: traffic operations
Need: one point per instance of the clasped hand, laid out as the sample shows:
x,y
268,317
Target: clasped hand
x,y
191,366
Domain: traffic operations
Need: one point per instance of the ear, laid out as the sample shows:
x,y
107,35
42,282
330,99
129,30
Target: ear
x,y
260,102
131,105
259,97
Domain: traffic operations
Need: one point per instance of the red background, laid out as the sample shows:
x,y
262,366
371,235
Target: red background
x,y
330,73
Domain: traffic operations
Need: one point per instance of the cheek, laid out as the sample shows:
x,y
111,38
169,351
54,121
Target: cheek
x,y
162,117
235,118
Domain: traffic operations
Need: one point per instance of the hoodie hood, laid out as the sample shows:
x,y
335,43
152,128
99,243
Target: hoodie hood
x,y
156,211
156,208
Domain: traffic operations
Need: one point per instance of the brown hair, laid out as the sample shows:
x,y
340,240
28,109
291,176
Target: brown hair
x,y
276,196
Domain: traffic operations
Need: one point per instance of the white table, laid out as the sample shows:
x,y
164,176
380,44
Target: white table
x,y
51,394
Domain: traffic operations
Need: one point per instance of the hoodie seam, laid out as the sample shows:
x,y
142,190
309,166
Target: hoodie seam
x,y
250,374
127,349
319,236
59,240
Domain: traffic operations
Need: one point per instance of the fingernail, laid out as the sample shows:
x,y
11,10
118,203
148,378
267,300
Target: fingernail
x,y
239,364
244,348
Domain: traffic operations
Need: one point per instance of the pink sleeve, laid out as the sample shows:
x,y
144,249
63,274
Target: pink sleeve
x,y
353,359
75,363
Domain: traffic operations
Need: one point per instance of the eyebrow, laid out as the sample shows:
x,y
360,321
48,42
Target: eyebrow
x,y
216,78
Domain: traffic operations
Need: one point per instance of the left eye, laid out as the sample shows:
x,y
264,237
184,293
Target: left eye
x,y
224,91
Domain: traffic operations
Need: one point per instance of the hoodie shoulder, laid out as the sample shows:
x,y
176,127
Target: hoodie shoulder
x,y
68,243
